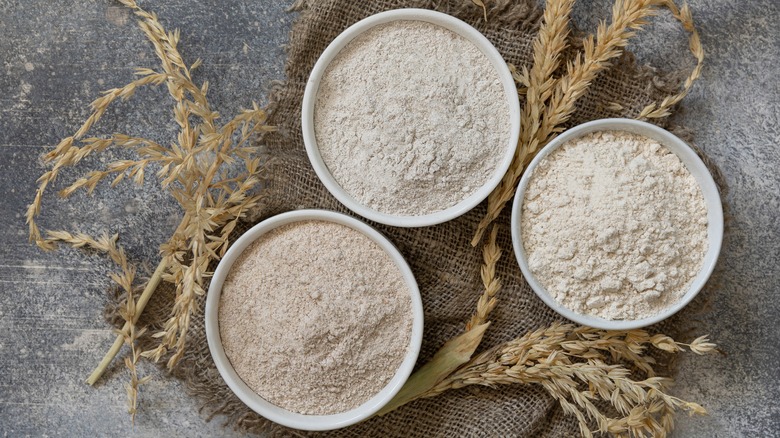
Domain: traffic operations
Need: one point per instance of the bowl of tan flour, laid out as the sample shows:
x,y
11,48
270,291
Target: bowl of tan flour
x,y
410,117
314,319
617,224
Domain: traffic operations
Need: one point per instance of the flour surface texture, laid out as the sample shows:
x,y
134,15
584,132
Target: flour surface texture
x,y
411,118
315,317
614,225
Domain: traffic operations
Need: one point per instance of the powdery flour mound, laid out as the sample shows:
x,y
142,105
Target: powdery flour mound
x,y
411,118
315,317
614,226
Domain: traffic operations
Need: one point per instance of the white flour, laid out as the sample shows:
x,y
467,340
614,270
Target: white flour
x,y
315,317
614,226
411,118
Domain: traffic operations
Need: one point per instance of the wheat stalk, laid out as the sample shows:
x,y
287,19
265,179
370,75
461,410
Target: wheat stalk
x,y
550,102
545,356
628,16
538,84
487,301
683,15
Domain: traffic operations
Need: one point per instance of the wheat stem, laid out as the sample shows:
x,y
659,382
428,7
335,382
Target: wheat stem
x,y
151,286
539,82
608,43
487,301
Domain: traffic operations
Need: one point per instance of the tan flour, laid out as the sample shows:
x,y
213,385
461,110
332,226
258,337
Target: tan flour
x,y
614,225
315,317
411,118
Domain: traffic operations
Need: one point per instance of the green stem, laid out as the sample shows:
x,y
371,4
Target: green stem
x,y
450,357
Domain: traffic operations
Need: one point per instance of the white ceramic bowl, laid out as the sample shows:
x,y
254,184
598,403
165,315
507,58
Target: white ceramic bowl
x,y
694,165
253,400
310,96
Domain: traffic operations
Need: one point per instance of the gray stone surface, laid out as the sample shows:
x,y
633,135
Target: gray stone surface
x,y
57,56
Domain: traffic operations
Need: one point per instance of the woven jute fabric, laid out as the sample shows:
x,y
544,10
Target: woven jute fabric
x,y
444,262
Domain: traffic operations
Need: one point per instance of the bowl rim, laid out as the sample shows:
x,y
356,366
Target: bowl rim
x,y
255,401
312,87
695,166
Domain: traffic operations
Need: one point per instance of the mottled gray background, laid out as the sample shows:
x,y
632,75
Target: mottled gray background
x,y
58,55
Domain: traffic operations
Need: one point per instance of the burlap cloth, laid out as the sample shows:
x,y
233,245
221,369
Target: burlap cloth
x,y
445,264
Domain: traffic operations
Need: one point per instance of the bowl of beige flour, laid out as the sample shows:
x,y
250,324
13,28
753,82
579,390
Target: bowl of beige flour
x,y
410,117
617,224
314,320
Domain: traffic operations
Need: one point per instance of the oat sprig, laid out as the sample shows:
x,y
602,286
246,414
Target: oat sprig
x,y
580,368
481,4
200,170
129,334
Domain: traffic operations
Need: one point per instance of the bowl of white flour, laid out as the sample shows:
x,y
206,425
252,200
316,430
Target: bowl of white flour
x,y
410,117
617,224
314,319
